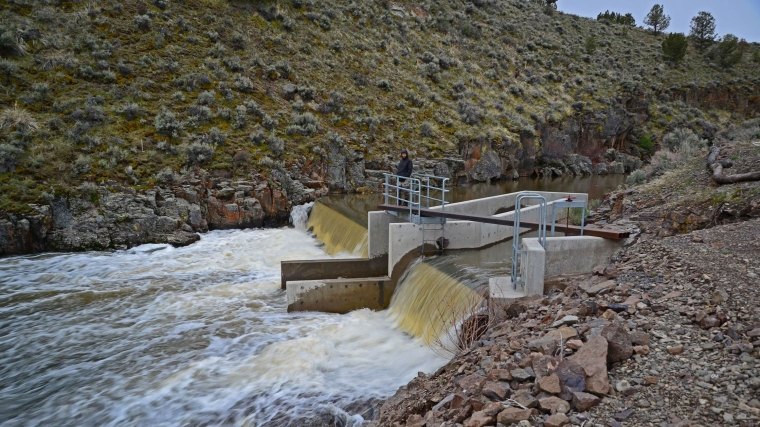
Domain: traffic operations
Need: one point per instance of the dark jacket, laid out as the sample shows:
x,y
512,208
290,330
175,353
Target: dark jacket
x,y
404,167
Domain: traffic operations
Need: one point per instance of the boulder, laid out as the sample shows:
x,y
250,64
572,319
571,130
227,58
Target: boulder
x,y
584,401
471,384
618,341
554,405
513,415
556,420
571,378
598,288
592,358
495,390
550,384
525,398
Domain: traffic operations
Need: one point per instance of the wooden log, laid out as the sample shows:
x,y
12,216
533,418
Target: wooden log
x,y
717,170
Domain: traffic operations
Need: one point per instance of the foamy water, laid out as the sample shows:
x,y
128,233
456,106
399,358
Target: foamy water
x,y
162,336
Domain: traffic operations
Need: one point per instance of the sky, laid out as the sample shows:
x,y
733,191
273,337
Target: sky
x,y
738,17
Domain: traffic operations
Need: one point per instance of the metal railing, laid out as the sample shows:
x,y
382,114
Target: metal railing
x,y
568,203
419,191
432,190
516,230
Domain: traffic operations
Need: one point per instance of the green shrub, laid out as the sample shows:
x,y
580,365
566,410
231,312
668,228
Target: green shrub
x,y
254,109
674,47
8,68
276,145
131,111
82,164
89,114
303,124
590,44
214,137
636,177
661,162
243,84
142,22
334,104
9,155
167,123
241,158
427,129
18,121
11,43
681,137
199,153
470,114
207,97
240,117
257,137
617,18
646,143
729,51
233,63
199,114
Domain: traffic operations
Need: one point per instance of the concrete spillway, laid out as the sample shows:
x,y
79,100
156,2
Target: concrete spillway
x,y
376,278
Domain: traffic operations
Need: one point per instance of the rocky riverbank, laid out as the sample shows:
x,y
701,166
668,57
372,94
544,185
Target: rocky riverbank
x,y
666,334
114,216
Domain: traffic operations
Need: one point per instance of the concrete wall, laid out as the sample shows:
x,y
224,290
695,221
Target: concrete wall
x,y
577,254
377,232
489,205
533,266
332,268
392,244
562,255
339,295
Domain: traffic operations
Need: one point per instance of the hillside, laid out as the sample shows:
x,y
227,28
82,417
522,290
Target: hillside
x,y
264,104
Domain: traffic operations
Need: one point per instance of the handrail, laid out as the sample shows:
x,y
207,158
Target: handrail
x,y
516,230
425,182
408,191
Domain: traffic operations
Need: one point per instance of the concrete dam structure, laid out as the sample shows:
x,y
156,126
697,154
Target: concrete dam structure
x,y
424,296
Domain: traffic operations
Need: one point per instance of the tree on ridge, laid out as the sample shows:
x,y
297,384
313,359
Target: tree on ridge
x,y
703,29
657,19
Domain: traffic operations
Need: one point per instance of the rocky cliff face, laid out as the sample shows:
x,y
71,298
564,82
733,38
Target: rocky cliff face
x,y
590,142
106,218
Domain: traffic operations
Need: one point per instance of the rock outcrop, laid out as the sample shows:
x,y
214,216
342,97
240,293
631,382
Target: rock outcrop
x,y
109,217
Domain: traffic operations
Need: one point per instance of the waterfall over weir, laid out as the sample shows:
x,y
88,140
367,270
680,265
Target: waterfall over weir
x,y
430,304
434,295
337,231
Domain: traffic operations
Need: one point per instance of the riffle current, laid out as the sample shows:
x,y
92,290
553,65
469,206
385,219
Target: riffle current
x,y
198,335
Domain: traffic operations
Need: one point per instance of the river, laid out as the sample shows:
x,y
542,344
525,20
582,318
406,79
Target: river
x,y
199,335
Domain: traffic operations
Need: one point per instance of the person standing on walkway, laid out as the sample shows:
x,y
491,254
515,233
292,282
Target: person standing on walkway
x,y
404,169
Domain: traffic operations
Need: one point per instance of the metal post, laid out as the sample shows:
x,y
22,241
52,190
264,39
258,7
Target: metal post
x,y
516,230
